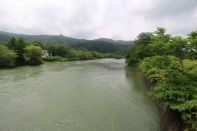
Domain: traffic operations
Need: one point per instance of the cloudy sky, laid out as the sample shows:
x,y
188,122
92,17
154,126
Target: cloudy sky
x,y
116,19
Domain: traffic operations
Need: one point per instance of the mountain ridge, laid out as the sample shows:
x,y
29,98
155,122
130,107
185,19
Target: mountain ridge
x,y
58,39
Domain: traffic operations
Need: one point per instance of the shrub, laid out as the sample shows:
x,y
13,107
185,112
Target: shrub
x,y
33,55
174,85
7,57
55,58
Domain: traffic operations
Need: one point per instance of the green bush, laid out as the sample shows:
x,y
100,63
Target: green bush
x,y
156,67
33,55
190,66
174,85
55,58
174,77
73,54
7,57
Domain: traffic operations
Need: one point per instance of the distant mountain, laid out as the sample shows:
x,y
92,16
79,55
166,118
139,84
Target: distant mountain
x,y
114,41
58,39
102,45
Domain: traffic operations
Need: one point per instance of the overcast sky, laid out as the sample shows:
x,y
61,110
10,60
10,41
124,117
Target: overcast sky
x,y
116,19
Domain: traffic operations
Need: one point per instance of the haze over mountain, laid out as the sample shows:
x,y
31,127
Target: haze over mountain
x,y
57,39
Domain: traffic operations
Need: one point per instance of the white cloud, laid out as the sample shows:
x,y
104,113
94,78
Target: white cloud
x,y
117,19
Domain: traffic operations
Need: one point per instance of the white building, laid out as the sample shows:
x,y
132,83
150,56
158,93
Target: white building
x,y
45,54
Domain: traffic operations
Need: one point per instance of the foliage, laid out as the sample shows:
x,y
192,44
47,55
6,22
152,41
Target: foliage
x,y
174,86
192,46
155,67
170,63
55,58
177,47
33,54
18,46
190,66
73,54
137,53
161,43
29,52
7,57
144,38
103,47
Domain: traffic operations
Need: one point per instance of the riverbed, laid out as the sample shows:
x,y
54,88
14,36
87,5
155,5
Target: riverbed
x,y
95,95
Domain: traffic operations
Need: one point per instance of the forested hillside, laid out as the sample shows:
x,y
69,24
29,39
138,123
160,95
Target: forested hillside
x,y
100,45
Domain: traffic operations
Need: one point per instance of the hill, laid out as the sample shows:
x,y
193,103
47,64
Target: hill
x,y
102,45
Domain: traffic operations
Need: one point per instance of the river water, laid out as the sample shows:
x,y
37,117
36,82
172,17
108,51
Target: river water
x,y
96,95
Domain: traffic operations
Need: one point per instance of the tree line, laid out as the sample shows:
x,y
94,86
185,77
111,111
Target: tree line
x,y
170,64
17,52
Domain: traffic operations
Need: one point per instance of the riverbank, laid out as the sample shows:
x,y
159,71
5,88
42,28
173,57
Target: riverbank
x,y
100,56
173,87
170,63
17,52
170,120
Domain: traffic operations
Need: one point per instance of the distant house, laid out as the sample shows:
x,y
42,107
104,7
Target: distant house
x,y
45,54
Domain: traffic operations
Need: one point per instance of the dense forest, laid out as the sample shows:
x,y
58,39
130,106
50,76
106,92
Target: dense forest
x,y
170,64
17,52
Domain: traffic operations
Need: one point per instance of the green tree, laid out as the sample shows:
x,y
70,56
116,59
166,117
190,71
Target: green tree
x,y
144,38
7,57
192,46
18,46
193,35
33,55
173,77
140,49
177,47
160,41
52,49
12,44
63,51
37,44
161,36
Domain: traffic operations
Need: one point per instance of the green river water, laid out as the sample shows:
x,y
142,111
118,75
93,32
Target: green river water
x,y
96,95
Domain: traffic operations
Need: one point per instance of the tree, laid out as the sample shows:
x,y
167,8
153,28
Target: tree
x,y
174,79
52,49
144,38
63,51
160,31
12,44
193,35
33,55
7,57
192,46
18,46
140,49
161,35
177,47
37,44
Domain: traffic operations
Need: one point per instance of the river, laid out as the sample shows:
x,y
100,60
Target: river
x,y
95,95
